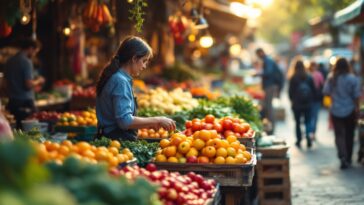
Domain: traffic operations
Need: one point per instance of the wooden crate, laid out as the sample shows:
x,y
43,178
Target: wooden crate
x,y
274,185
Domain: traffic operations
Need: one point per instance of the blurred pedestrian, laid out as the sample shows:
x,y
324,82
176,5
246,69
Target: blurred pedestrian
x,y
318,81
344,89
272,83
301,93
21,83
116,105
323,70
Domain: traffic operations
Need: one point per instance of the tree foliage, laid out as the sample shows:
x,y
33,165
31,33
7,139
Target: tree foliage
x,y
284,17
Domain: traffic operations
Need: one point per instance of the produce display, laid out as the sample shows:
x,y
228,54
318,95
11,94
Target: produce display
x,y
24,181
142,150
46,116
151,133
225,127
89,92
204,146
82,118
50,151
167,102
174,188
96,14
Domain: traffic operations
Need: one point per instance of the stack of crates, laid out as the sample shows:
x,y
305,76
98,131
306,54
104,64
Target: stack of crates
x,y
274,185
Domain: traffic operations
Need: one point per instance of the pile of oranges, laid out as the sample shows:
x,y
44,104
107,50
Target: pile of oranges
x,y
204,146
84,118
50,151
151,133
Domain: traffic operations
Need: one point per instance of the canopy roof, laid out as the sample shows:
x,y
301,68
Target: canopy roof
x,y
351,14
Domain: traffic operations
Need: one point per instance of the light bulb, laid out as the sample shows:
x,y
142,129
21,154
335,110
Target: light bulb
x,y
130,1
206,41
25,19
67,31
191,38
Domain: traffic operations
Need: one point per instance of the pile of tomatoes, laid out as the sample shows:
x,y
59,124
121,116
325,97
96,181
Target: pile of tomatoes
x,y
225,126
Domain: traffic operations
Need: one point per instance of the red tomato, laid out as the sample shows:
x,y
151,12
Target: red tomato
x,y
236,120
209,126
188,132
209,119
188,124
227,124
196,126
238,128
196,120
245,127
238,135
228,132
217,127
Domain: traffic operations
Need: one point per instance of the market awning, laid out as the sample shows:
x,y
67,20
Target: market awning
x,y
222,21
316,41
351,14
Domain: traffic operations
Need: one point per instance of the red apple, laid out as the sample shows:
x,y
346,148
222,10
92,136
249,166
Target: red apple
x,y
192,159
151,167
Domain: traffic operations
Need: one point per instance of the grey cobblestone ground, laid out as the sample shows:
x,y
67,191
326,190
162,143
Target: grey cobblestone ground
x,y
315,174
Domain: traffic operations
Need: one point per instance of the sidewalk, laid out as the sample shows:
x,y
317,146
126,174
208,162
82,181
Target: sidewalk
x,y
315,174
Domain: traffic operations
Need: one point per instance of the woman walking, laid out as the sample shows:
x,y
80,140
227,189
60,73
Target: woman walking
x,y
344,89
301,92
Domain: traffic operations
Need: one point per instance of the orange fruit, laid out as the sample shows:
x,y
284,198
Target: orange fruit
x,y
231,151
235,145
53,147
113,150
205,135
240,159
209,151
202,159
247,155
221,152
184,147
176,140
68,143
196,135
223,143
64,150
125,150
130,155
172,159
115,143
192,152
83,146
113,162
231,138
198,144
164,143
102,155
161,158
121,158
88,154
170,151
242,147
219,160
230,160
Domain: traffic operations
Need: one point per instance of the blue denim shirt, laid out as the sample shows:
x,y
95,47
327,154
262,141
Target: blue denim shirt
x,y
115,105
268,72
343,94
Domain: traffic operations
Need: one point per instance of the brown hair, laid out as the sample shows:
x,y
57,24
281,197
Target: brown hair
x,y
130,47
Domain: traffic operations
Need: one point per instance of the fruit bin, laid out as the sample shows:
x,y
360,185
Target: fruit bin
x,y
217,197
227,174
248,141
83,133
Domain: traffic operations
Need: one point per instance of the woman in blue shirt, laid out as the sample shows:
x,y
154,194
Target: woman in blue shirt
x,y
116,105
344,89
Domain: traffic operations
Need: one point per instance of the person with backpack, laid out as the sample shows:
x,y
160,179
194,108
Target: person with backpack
x,y
301,93
344,89
272,83
318,80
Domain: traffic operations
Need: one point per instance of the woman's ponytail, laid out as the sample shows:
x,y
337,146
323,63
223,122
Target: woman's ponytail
x,y
106,74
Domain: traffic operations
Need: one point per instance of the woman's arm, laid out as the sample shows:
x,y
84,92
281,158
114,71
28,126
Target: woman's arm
x,y
152,122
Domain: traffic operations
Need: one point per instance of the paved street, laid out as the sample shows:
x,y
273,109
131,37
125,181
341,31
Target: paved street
x,y
315,174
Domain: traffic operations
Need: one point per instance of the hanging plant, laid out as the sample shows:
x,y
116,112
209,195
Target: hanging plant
x,y
137,13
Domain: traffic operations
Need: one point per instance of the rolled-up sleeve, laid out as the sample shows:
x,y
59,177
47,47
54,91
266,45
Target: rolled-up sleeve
x,y
123,104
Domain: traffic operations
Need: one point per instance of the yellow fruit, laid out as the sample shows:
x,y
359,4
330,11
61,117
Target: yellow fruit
x,y
219,160
161,158
221,152
231,138
164,143
172,159
170,151
230,160
209,151
235,145
122,158
231,151
130,155
115,144
192,152
198,144
113,150
240,159
184,147
247,155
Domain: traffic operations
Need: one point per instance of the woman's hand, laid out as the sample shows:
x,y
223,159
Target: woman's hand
x,y
165,123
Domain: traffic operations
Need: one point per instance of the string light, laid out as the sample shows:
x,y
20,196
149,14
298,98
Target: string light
x,y
206,41
25,19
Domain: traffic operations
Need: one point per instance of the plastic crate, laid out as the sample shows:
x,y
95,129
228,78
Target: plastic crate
x,y
248,141
77,129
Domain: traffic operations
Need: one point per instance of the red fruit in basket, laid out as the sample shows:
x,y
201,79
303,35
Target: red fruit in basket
x,y
192,159
188,124
227,124
208,126
217,127
181,199
199,179
172,194
188,132
196,126
237,127
209,118
228,133
151,167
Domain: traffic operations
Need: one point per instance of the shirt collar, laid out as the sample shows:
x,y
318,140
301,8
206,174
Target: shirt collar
x,y
122,71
